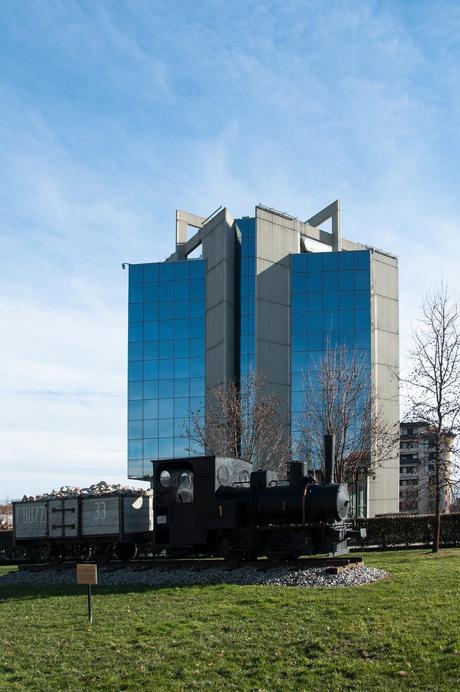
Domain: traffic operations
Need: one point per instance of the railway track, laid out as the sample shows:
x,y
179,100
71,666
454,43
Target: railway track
x,y
334,565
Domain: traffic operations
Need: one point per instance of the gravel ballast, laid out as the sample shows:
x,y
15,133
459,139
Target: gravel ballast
x,y
278,576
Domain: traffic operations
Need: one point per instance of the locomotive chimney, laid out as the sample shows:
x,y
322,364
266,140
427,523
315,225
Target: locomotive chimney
x,y
329,457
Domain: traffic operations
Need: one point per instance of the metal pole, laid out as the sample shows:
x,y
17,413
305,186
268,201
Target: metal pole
x,y
90,606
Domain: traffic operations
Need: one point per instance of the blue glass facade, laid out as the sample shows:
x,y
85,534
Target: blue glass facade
x,y
247,364
166,359
330,307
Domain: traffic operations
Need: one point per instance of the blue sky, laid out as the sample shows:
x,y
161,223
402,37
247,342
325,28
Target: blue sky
x,y
114,114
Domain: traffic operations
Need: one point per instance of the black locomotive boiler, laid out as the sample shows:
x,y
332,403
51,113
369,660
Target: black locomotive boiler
x,y
220,506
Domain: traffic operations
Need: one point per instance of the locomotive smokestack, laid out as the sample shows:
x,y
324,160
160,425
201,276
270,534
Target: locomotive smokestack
x,y
329,457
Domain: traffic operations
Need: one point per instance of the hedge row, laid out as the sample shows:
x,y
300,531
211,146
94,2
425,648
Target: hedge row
x,y
409,529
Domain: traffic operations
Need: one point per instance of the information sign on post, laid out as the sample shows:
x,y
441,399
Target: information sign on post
x,y
87,574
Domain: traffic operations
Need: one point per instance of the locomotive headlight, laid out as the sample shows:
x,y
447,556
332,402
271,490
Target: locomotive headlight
x,y
185,480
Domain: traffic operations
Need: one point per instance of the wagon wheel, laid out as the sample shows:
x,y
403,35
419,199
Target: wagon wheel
x,y
83,551
57,553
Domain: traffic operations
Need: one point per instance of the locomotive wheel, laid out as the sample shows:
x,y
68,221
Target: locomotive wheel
x,y
126,551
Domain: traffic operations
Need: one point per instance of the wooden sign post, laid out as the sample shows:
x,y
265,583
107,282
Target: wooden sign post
x,y
87,574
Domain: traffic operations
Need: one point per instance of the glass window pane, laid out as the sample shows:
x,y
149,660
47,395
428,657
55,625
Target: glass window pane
x,y
314,302
135,370
331,281
151,448
197,367
151,428
181,407
182,329
181,309
362,279
166,448
166,388
330,320
196,347
196,328
180,427
134,410
181,447
347,319
346,300
300,341
135,468
166,349
197,386
181,290
150,389
136,331
135,312
330,261
166,290
315,281
136,273
362,319
331,300
298,302
346,260
151,272
197,404
361,259
150,408
135,350
164,311
166,271
135,390
166,427
150,369
346,280
299,283
197,289
196,269
181,348
197,308
362,339
181,270
150,293
166,369
165,408
150,312
181,387
315,261
150,331
150,350
136,293
166,329
362,299
299,361
182,366
315,341
134,449
135,429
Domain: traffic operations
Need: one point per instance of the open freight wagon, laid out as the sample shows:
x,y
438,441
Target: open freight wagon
x,y
83,527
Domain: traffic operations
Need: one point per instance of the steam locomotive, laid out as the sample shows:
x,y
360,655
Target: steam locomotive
x,y
201,506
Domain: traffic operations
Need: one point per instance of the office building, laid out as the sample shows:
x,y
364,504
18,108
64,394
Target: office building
x,y
417,469
267,294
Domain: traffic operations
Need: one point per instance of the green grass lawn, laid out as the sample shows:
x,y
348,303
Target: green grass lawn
x,y
400,633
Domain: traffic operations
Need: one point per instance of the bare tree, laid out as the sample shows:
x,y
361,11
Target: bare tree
x,y
242,421
339,400
433,385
